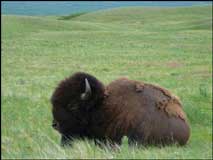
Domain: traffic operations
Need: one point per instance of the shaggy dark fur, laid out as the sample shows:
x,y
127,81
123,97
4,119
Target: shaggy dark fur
x,y
145,113
71,114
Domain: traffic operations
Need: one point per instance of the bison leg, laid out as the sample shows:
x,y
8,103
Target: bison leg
x,y
100,142
134,140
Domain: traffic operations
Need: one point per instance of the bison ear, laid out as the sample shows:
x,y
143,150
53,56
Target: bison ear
x,y
88,92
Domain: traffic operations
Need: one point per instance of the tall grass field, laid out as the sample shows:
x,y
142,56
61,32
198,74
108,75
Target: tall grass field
x,y
171,47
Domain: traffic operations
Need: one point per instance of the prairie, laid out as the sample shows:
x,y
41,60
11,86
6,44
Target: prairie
x,y
171,47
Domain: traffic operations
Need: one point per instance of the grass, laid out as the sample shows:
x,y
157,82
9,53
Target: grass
x,y
171,47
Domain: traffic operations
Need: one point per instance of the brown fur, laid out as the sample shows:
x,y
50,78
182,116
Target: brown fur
x,y
145,113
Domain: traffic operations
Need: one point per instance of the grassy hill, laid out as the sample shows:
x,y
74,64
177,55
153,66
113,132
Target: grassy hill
x,y
171,47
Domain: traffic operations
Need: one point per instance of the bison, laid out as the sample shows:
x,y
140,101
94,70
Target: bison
x,y
83,107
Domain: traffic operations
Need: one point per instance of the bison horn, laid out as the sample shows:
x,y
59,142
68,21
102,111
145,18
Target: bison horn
x,y
88,91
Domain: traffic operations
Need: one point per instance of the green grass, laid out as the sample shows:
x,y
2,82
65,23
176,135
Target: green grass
x,y
171,47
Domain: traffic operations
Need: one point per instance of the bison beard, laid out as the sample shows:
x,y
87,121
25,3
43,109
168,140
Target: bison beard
x,y
147,114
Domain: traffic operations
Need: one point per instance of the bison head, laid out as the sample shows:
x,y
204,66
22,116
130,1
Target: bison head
x,y
73,101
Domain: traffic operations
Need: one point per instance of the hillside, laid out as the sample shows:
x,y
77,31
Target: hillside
x,y
144,16
171,47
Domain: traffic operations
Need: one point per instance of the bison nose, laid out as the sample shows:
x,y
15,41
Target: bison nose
x,y
54,125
